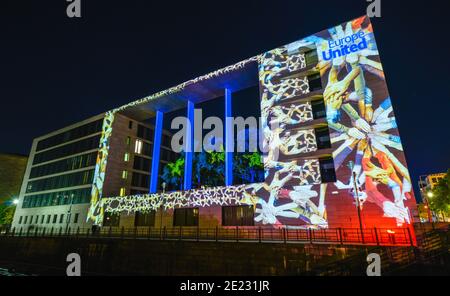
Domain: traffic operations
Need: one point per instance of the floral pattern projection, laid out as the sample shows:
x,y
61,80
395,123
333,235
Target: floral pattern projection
x,y
363,128
291,195
96,210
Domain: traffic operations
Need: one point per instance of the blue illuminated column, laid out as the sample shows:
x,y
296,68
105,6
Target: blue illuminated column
x,y
229,141
156,152
189,147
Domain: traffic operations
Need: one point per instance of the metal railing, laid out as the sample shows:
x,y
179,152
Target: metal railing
x,y
342,236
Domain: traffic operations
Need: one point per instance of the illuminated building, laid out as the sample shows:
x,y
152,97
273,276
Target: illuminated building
x,y
426,185
336,148
58,178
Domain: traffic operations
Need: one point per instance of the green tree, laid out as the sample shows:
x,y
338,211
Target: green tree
x,y
6,214
440,202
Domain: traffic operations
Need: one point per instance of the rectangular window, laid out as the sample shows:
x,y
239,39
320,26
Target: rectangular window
x,y
61,218
75,218
318,108
138,147
130,124
140,180
20,220
322,138
55,218
144,219
315,82
327,172
185,217
111,220
311,57
126,157
124,175
25,220
42,219
48,218
238,216
128,141
122,191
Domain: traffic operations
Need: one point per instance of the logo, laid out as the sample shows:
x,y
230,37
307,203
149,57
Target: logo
x,y
344,46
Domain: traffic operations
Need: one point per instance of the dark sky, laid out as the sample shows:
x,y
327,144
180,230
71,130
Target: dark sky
x,y
56,71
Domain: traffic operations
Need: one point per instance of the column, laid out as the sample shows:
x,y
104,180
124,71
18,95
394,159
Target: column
x,y
229,141
156,152
189,147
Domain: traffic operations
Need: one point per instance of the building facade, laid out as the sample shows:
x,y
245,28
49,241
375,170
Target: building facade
x,y
334,157
57,185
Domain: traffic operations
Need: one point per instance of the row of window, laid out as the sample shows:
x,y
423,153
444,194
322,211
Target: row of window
x,y
231,216
69,164
47,219
60,198
148,134
68,180
70,135
69,149
140,180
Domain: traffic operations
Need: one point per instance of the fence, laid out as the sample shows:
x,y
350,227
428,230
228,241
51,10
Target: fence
x,y
343,236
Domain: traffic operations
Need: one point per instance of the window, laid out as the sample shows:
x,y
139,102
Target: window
x,y
141,164
87,144
67,180
130,124
144,219
70,135
318,108
327,172
25,220
80,196
138,147
311,57
322,138
145,133
69,164
20,220
128,141
185,217
124,175
61,218
111,220
42,219
122,191
75,218
314,82
238,216
48,218
126,157
55,218
140,180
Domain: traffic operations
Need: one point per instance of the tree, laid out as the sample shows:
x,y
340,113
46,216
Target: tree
x,y
440,202
6,214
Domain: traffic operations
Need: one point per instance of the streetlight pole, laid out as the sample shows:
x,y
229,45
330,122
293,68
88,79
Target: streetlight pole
x,y
69,213
161,207
425,197
358,206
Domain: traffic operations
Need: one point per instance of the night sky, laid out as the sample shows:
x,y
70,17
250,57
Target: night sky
x,y
56,71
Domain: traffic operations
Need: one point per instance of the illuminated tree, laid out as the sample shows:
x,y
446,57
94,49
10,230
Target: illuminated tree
x,y
440,202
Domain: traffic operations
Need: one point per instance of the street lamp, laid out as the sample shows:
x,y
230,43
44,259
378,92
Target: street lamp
x,y
161,208
16,201
69,212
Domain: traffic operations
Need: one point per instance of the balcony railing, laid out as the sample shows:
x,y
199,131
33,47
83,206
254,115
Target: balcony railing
x,y
342,236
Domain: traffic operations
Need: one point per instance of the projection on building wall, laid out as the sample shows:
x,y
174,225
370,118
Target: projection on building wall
x,y
339,68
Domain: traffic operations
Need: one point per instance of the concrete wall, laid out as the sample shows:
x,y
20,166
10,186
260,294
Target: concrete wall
x,y
147,257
